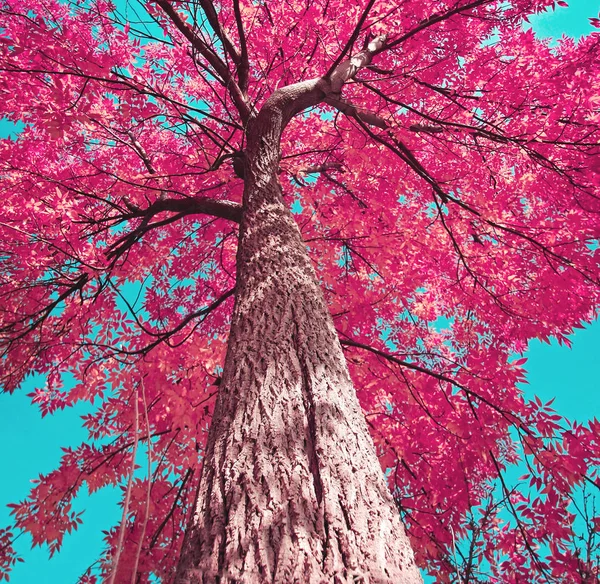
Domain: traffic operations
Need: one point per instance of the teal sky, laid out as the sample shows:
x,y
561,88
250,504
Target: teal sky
x,y
572,21
32,444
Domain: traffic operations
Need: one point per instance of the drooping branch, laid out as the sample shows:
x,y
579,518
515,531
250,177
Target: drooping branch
x,y
400,149
164,336
189,473
379,352
509,416
31,322
531,551
405,154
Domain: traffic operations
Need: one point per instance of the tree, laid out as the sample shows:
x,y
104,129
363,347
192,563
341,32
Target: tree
x,y
215,214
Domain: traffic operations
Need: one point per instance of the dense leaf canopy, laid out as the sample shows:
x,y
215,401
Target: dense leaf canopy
x,y
448,197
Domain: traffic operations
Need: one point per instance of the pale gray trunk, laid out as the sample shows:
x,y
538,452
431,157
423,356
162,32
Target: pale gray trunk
x,y
291,490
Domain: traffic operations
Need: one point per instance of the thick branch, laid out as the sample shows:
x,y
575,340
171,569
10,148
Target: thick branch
x,y
141,152
288,101
204,206
213,19
352,39
350,67
181,208
352,111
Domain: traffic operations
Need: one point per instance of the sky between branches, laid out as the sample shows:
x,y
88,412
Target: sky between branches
x,y
32,444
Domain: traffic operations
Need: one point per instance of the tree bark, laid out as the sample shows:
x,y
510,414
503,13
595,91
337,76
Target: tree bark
x,y
291,489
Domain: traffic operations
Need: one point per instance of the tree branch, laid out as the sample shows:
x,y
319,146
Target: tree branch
x,y
213,19
353,112
322,168
204,206
509,416
213,59
181,208
352,39
400,149
243,69
347,69
435,19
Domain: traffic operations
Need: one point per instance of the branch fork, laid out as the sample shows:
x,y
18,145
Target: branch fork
x,y
346,71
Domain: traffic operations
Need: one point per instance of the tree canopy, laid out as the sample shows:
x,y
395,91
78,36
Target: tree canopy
x,y
446,187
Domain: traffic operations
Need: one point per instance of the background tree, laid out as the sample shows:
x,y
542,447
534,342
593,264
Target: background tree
x,y
442,167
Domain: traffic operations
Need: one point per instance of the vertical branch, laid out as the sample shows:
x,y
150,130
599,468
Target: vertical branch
x,y
213,19
127,495
147,507
244,65
352,39
219,67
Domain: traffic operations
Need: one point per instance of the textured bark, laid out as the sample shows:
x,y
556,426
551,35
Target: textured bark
x,y
291,490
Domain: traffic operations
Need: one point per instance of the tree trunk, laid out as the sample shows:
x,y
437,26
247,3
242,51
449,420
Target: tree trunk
x,y
291,488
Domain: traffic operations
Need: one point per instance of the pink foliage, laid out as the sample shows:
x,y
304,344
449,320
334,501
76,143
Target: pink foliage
x,y
444,240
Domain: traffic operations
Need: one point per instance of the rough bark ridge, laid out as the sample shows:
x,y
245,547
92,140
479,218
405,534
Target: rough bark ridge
x,y
291,491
